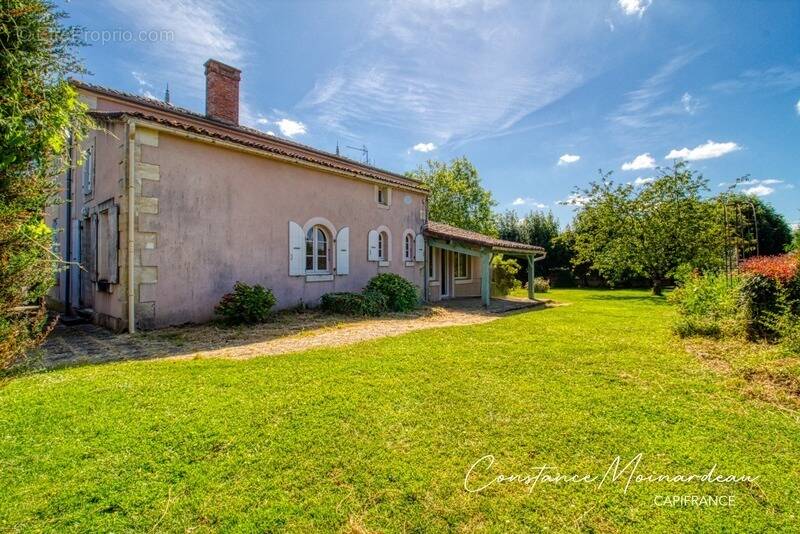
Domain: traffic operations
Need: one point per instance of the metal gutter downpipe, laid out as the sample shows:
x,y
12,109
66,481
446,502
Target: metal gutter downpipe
x,y
131,223
68,230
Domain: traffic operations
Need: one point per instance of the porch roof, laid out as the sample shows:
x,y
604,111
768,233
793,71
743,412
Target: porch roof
x,y
445,231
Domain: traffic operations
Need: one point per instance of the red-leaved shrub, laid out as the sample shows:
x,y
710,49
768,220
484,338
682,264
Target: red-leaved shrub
x,y
782,268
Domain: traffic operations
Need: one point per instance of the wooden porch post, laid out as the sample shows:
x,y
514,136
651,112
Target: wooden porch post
x,y
531,291
486,258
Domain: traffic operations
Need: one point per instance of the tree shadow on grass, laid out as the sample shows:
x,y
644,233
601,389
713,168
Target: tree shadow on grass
x,y
651,299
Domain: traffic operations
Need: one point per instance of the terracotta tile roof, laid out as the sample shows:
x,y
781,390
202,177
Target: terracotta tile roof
x,y
190,121
445,231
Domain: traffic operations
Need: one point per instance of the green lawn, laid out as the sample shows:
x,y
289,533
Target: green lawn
x,y
379,436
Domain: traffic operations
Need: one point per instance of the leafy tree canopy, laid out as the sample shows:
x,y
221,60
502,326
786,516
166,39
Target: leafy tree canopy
x,y
536,228
457,197
38,108
649,231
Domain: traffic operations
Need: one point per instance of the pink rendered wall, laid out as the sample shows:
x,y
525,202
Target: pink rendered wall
x,y
109,180
224,216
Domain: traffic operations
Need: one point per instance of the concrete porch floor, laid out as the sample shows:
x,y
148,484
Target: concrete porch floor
x,y
496,304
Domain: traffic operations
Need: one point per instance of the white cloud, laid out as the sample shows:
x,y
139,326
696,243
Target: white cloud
x,y
270,132
758,187
708,150
634,7
262,120
759,190
424,147
200,29
566,159
642,181
653,102
642,161
778,78
290,128
797,106
575,200
689,103
140,79
527,201
433,68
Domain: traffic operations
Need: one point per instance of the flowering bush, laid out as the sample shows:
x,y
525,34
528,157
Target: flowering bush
x,y
763,301
782,268
541,285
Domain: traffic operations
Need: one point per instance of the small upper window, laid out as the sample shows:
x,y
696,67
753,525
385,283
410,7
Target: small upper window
x,y
88,171
383,196
317,250
383,246
408,247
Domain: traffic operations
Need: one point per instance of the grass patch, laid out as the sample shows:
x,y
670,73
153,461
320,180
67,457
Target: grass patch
x,y
378,436
762,370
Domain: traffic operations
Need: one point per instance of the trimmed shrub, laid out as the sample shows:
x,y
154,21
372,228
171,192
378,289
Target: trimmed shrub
x,y
400,294
246,304
504,276
367,303
541,285
709,306
782,268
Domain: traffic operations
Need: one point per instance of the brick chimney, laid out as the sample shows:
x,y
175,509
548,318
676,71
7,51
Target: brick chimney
x,y
222,91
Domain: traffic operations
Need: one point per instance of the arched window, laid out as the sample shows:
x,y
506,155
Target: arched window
x,y
383,246
317,250
408,247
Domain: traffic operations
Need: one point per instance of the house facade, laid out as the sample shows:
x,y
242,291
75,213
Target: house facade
x,y
165,209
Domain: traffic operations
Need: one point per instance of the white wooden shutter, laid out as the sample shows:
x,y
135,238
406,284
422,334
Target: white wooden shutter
x,y
297,244
372,246
419,243
343,251
95,237
113,244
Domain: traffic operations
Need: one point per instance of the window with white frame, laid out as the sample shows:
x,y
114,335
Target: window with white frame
x,y
408,247
383,195
461,267
431,264
383,246
317,250
88,171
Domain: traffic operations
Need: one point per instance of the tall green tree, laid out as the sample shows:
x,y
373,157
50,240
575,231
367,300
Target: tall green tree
x,y
457,197
536,228
541,229
38,109
650,231
508,226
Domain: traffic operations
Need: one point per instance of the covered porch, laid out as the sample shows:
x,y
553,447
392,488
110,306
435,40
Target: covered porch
x,y
458,263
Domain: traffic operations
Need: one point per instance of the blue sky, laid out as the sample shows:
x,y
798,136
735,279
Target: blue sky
x,y
539,95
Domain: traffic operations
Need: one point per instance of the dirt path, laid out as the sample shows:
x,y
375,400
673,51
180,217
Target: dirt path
x,y
347,333
289,332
